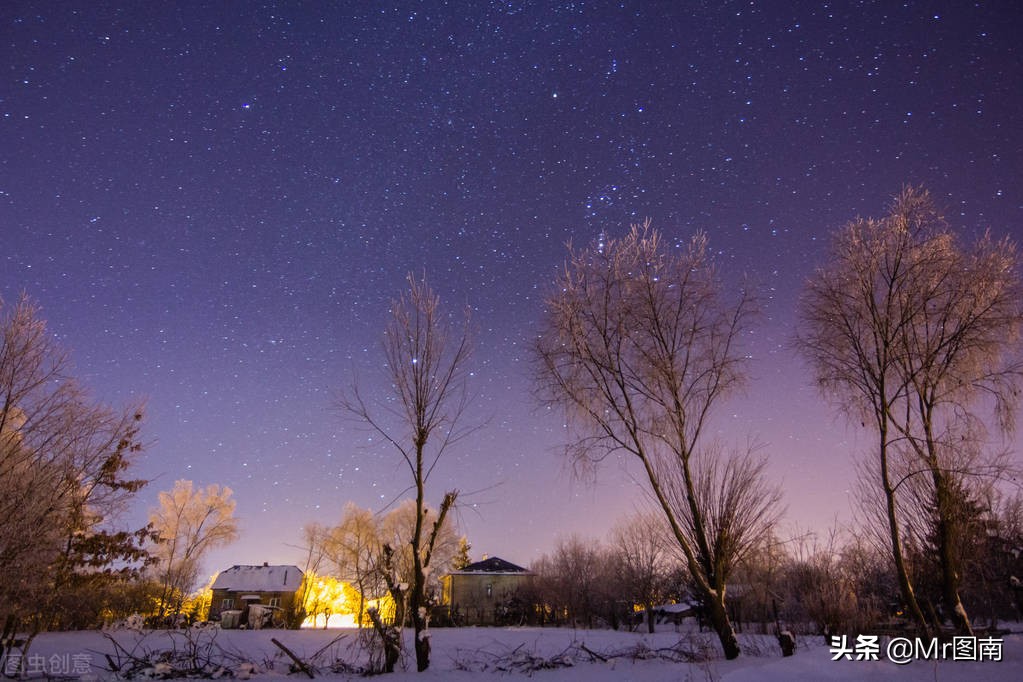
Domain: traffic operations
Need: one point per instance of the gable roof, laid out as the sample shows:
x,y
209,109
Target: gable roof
x,y
259,579
492,565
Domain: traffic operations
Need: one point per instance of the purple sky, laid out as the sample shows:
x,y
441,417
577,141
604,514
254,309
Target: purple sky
x,y
214,205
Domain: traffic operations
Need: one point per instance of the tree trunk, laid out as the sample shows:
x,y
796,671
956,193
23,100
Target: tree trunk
x,y
902,573
713,599
417,600
905,584
947,543
390,638
362,606
422,644
722,625
418,607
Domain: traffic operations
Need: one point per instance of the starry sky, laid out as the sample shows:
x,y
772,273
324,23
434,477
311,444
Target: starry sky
x,y
214,203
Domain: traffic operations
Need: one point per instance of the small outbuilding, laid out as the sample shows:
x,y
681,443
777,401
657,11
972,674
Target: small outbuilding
x,y
255,596
483,593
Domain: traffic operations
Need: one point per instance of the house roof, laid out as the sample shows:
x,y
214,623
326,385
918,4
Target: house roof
x,y
259,579
492,565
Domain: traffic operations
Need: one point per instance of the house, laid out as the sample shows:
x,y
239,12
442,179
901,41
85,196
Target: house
x,y
255,596
673,614
484,593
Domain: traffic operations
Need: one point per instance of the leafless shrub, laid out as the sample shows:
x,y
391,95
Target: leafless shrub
x,y
524,660
193,653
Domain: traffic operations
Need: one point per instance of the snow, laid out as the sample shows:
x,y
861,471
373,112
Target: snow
x,y
464,654
259,579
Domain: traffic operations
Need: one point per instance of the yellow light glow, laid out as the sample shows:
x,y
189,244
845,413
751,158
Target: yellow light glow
x,y
333,603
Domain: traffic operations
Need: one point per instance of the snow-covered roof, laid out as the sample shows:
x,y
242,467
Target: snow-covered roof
x,y
259,579
492,565
684,607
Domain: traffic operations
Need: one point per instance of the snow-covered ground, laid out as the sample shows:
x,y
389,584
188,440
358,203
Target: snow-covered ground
x,y
482,653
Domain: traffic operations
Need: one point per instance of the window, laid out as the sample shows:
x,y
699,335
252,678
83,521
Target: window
x,y
275,601
227,604
490,589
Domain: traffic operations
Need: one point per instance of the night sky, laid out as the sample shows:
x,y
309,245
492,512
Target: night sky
x,y
214,204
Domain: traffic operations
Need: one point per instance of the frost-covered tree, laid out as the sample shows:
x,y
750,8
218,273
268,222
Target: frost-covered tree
x,y
353,550
63,457
189,523
639,343
462,558
912,333
397,528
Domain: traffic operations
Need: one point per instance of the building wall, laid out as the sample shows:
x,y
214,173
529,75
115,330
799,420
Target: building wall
x,y
285,600
471,599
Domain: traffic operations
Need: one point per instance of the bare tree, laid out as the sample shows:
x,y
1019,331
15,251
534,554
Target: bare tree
x,y
576,572
642,560
318,592
354,549
832,587
639,344
189,523
913,332
427,363
312,599
761,572
397,528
